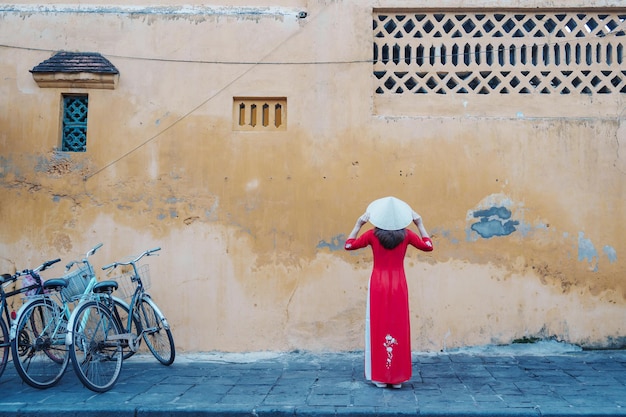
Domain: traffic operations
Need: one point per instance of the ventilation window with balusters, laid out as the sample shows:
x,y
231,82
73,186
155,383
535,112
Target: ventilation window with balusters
x,y
517,52
260,113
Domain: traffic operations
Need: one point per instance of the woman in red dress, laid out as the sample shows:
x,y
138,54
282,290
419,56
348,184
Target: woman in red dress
x,y
387,325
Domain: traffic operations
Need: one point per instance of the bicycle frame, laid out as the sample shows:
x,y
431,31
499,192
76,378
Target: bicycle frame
x,y
63,303
135,304
108,301
57,334
101,298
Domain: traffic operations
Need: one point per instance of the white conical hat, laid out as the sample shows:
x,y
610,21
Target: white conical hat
x,y
390,213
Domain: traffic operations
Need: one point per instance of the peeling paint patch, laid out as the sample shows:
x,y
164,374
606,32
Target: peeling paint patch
x,y
252,185
495,221
336,243
497,215
211,212
58,164
4,161
447,234
158,121
587,251
610,252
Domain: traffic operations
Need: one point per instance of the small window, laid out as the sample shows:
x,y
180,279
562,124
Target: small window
x,y
74,123
259,113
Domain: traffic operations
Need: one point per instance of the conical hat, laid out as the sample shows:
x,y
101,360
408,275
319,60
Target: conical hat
x,y
390,213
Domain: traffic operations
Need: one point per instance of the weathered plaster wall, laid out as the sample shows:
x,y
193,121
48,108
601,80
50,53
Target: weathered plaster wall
x,y
526,210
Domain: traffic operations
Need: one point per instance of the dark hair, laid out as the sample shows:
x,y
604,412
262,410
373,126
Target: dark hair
x,y
389,239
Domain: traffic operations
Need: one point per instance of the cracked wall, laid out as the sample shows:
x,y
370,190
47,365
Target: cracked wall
x,y
525,212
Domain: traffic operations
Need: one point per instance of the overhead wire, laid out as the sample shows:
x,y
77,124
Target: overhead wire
x,y
613,33
184,116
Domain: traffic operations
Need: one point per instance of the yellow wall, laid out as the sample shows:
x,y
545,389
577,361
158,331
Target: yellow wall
x,y
252,224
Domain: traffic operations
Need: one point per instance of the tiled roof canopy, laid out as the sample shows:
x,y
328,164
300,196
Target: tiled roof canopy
x,y
76,70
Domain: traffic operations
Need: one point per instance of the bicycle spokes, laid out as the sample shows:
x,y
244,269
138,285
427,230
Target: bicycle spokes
x,y
96,346
39,350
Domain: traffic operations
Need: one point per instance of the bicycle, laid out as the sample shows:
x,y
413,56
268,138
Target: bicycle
x,y
7,318
86,291
40,354
38,331
95,337
151,324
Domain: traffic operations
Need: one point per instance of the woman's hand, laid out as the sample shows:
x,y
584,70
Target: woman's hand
x,y
359,223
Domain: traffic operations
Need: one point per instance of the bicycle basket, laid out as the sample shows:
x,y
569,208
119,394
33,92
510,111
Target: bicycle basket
x,y
77,282
126,284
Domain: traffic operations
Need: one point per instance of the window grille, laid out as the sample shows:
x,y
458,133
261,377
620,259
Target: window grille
x,y
499,52
260,113
74,123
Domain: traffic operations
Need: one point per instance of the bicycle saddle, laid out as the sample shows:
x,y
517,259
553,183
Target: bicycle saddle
x,y
105,286
55,284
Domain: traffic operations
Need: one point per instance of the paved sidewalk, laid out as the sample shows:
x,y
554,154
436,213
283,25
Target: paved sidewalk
x,y
585,383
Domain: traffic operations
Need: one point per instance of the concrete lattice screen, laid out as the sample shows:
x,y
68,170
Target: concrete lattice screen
x,y
499,52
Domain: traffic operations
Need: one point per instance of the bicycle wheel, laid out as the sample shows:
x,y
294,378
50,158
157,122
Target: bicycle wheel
x,y
39,352
122,315
96,355
5,345
158,338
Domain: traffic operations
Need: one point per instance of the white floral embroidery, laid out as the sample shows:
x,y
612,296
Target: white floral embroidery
x,y
389,342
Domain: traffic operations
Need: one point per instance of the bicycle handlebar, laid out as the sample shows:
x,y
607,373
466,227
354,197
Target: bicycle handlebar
x,y
93,250
48,264
87,255
41,267
8,278
149,252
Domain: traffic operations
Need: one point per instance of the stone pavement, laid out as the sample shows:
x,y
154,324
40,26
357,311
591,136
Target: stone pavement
x,y
583,383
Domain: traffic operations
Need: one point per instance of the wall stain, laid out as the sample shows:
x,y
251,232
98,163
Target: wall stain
x,y
447,234
610,252
190,220
495,221
336,243
587,251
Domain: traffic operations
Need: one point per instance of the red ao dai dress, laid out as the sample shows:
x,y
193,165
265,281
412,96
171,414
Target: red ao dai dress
x,y
387,323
